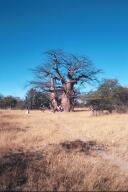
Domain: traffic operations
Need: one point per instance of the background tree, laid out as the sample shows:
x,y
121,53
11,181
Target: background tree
x,y
9,102
120,99
20,103
109,95
102,98
36,99
1,100
62,73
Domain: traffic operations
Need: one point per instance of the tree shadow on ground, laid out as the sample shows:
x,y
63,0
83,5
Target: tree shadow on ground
x,y
82,146
21,170
11,127
13,167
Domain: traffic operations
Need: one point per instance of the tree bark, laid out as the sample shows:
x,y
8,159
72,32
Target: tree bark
x,y
53,102
65,102
66,99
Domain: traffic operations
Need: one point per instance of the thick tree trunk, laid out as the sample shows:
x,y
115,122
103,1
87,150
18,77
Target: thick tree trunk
x,y
66,99
66,103
53,101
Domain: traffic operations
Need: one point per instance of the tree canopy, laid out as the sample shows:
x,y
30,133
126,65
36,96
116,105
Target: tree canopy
x,y
61,73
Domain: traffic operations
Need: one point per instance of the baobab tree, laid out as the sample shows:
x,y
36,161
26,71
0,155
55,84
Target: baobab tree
x,y
61,74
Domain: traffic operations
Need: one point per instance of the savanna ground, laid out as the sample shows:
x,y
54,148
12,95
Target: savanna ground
x,y
74,151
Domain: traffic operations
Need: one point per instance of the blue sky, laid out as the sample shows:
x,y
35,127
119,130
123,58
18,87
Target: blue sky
x,y
28,28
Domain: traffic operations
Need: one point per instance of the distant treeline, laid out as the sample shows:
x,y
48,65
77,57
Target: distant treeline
x,y
33,100
11,102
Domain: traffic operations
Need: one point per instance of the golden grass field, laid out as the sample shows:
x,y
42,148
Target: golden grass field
x,y
63,151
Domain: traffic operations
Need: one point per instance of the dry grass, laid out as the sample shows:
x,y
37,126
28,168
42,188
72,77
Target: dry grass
x,y
60,152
